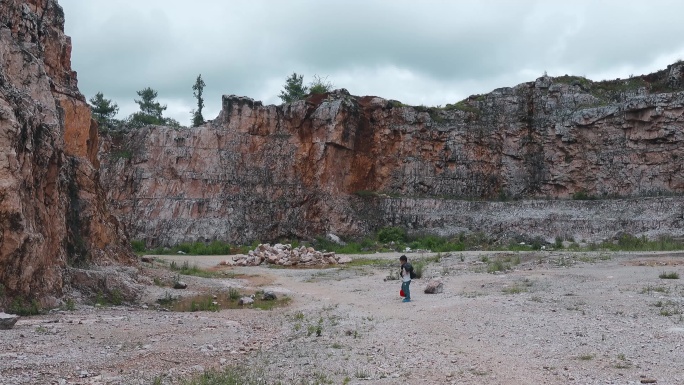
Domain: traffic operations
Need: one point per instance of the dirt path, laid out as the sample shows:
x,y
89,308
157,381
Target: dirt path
x,y
556,318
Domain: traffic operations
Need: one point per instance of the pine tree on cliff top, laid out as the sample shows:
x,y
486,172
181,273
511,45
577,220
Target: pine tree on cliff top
x,y
197,90
150,110
294,89
103,110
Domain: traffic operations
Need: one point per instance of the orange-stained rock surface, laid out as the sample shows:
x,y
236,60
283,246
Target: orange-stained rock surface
x,y
346,164
52,208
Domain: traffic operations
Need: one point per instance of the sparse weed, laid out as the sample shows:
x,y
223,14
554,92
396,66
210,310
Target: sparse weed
x,y
669,275
233,294
514,289
230,376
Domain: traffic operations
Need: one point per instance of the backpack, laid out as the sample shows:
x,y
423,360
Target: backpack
x,y
408,267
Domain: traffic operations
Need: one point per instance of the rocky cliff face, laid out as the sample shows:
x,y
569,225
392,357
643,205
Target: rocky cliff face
x,y
53,218
347,164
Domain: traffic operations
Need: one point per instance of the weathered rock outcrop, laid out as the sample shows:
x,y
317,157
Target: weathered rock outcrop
x,y
52,207
347,164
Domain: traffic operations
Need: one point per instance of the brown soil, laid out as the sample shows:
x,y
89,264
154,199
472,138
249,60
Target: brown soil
x,y
556,318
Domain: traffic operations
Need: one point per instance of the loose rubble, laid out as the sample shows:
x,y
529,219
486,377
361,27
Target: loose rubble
x,y
285,255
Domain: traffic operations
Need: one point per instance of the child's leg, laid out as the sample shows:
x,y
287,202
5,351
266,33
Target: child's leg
x,y
407,290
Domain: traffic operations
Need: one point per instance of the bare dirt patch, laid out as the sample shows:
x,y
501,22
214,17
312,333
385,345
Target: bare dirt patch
x,y
545,317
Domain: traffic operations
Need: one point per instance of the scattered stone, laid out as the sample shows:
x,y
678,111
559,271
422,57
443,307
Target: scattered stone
x,y
269,296
180,285
334,238
245,301
7,321
285,255
435,286
147,259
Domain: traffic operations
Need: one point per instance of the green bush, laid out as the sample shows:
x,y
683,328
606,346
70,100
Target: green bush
x,y
23,307
138,246
391,234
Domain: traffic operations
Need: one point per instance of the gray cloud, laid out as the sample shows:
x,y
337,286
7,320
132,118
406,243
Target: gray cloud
x,y
428,52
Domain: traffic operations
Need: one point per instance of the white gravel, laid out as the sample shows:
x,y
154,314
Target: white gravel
x,y
557,318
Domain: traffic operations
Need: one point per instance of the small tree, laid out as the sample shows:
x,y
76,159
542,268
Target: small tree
x,y
320,85
294,89
197,89
103,110
150,110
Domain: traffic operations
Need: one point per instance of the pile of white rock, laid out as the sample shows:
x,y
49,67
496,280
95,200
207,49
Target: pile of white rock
x,y
285,255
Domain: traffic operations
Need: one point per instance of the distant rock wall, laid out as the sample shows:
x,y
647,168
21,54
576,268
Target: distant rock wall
x,y
348,165
52,207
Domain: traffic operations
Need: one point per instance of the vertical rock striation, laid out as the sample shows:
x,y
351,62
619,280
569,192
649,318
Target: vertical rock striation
x,y
347,164
52,208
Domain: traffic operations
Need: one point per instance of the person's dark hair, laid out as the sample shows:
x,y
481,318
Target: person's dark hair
x,y
402,258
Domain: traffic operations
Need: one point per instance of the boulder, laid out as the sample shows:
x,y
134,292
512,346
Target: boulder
x,y
434,287
269,296
344,259
180,285
245,301
335,239
7,321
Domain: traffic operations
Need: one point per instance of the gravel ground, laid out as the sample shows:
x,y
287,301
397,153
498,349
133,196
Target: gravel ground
x,y
555,318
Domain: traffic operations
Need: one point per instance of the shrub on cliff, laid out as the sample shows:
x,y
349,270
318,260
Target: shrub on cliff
x,y
103,110
150,111
320,85
295,89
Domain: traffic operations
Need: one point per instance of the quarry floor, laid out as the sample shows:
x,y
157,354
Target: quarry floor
x,y
556,318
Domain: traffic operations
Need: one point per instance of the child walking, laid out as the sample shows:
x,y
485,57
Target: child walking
x,y
406,273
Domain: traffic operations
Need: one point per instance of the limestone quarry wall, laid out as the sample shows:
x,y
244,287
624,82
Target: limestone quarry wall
x,y
346,164
53,215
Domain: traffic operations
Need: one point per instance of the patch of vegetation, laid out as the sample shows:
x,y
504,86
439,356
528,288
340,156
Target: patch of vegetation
x,y
69,305
651,289
167,299
23,307
110,298
628,242
392,234
194,270
503,263
668,308
464,106
583,195
197,248
586,357
669,275
514,289
138,246
622,362
229,376
218,302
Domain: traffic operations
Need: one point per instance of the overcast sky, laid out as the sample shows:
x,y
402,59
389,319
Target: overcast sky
x,y
418,52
